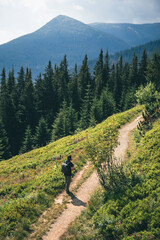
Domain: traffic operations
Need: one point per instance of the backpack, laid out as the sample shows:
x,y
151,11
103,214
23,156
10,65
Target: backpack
x,y
65,168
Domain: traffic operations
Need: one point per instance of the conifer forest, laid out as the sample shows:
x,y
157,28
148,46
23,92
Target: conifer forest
x,y
34,112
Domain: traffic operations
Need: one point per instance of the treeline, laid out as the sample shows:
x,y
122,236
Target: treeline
x,y
57,103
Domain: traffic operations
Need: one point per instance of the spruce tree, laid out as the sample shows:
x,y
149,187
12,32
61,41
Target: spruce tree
x,y
153,71
118,83
99,75
86,108
107,104
142,68
125,84
134,71
106,70
73,89
1,150
61,124
42,134
39,97
84,79
112,79
72,119
8,113
5,148
27,144
63,80
48,93
28,100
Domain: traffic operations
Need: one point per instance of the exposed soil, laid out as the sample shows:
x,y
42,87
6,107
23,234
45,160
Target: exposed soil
x,y
79,202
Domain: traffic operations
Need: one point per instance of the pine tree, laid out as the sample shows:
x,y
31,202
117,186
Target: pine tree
x,y
5,148
1,150
27,144
107,104
64,79
99,75
118,84
73,90
142,68
20,82
72,119
125,84
84,79
28,100
134,71
153,71
61,124
112,79
48,93
42,134
86,107
95,112
106,69
39,97
8,112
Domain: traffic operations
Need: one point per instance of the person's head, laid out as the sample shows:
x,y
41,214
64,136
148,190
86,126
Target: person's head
x,y
69,158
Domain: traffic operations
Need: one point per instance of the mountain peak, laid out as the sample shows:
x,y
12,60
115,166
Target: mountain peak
x,y
62,23
62,18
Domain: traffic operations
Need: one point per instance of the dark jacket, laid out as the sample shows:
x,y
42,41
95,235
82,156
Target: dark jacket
x,y
70,165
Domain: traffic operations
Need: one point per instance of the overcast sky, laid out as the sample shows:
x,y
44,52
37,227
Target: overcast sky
x,y
19,17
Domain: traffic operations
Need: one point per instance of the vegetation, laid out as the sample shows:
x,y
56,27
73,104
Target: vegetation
x,y
127,206
29,182
59,103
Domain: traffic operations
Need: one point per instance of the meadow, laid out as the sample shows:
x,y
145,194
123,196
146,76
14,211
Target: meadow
x,y
133,212
30,182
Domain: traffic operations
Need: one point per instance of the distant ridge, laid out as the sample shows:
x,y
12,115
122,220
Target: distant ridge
x,y
65,35
133,34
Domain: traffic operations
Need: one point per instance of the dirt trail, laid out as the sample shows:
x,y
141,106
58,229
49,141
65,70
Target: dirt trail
x,y
79,202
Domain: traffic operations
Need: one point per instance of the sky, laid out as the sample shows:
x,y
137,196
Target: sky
x,y
20,17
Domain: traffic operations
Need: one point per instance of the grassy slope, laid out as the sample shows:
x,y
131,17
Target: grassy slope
x,y
29,182
135,212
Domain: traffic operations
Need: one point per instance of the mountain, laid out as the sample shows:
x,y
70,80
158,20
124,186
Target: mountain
x,y
127,55
133,34
62,35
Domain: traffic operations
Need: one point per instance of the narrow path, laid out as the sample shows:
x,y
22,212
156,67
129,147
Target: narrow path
x,y
79,202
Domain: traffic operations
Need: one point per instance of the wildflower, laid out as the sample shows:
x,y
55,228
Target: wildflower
x,y
119,222
139,235
140,222
150,237
141,169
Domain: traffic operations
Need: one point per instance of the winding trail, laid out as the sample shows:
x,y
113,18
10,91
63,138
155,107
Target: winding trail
x,y
79,202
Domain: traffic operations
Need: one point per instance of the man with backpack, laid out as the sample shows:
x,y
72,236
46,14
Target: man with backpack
x,y
67,168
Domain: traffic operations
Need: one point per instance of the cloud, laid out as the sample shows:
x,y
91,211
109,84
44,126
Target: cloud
x,y
78,7
18,17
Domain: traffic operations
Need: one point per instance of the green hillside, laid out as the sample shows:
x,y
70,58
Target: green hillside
x,y
29,182
134,211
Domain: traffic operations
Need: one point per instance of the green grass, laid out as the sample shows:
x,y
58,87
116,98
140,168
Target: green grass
x,y
30,182
133,213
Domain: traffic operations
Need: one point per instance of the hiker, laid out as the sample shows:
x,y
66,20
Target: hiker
x,y
67,168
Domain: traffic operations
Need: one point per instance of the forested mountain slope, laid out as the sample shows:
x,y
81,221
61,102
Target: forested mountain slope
x,y
150,47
